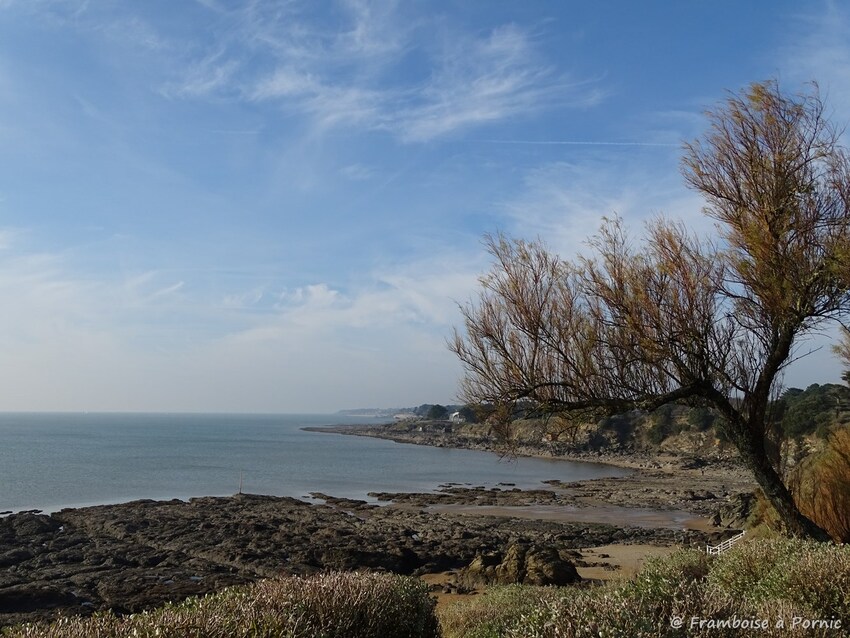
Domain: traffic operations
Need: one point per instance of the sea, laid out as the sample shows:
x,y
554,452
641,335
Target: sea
x,y
49,461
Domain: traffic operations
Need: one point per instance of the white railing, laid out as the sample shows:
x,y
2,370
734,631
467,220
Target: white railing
x,y
719,549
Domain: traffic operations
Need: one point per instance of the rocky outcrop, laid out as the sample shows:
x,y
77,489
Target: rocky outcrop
x,y
521,563
135,555
736,511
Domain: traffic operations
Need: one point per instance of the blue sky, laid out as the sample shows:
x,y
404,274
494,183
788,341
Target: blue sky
x,y
274,206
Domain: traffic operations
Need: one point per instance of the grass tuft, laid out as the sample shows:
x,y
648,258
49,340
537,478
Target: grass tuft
x,y
333,605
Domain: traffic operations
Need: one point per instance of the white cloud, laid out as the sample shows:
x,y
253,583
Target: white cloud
x,y
7,236
135,32
327,104
167,291
243,300
144,341
287,83
564,203
485,80
375,32
353,74
382,343
422,294
206,77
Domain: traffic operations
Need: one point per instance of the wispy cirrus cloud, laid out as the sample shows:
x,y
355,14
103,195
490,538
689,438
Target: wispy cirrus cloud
x,y
354,70
327,105
374,32
564,202
483,80
204,78
351,74
110,22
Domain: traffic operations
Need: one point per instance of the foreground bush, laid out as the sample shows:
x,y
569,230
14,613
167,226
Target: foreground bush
x,y
749,588
326,606
496,612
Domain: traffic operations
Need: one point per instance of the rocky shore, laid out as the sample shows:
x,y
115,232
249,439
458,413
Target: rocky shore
x,y
140,554
718,488
137,555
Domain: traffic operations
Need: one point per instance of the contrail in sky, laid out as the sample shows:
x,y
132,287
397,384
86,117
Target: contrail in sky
x,y
577,143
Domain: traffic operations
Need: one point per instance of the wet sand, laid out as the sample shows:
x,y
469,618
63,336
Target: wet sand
x,y
609,514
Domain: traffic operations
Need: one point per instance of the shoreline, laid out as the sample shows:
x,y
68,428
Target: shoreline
x,y
135,555
631,460
661,481
141,554
51,508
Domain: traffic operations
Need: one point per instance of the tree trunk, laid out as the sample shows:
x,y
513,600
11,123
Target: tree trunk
x,y
751,447
796,523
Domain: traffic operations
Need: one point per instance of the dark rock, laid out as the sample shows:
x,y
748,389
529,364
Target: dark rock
x,y
735,512
14,556
25,598
525,564
31,524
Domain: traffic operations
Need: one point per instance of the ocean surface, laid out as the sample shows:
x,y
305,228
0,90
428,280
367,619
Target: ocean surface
x,y
51,461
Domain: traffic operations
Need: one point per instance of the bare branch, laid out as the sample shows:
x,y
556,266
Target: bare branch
x,y
674,317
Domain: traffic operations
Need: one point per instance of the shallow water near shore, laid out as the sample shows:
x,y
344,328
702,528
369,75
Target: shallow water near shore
x,y
51,461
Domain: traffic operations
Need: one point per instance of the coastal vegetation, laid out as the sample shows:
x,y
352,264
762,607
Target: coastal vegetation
x,y
781,584
784,585
710,323
332,605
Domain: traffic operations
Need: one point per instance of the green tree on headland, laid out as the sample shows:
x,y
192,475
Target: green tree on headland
x,y
815,410
437,412
468,413
678,318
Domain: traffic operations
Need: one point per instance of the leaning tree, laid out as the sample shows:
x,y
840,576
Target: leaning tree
x,y
711,322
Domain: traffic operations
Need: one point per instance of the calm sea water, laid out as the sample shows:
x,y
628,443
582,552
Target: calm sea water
x,y
50,461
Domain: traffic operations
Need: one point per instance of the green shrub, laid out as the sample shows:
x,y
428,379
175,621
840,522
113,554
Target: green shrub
x,y
495,612
660,577
760,581
333,605
812,576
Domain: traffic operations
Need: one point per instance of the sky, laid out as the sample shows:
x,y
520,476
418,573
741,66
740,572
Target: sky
x,y
276,206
